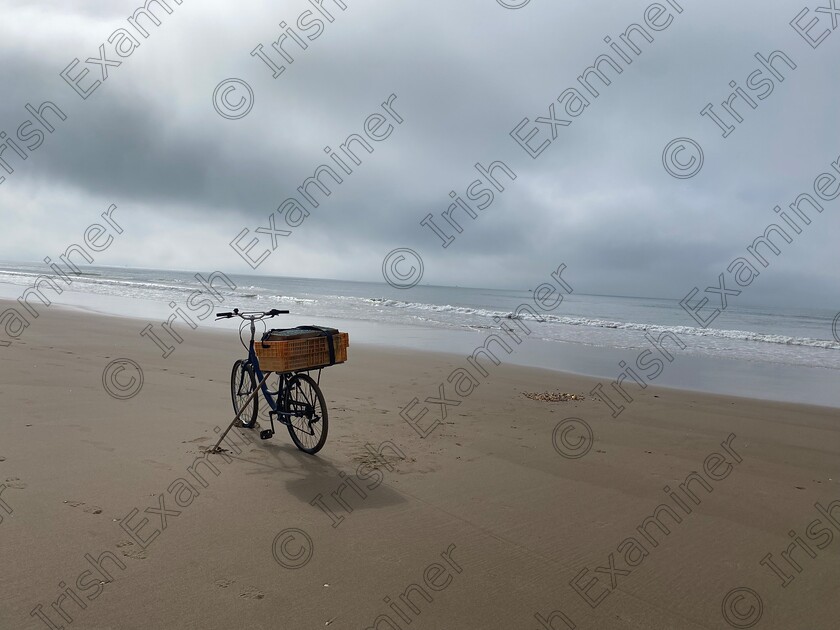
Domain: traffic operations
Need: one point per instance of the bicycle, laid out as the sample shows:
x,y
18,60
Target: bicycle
x,y
295,400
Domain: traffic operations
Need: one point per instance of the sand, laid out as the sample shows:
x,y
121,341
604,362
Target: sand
x,y
483,523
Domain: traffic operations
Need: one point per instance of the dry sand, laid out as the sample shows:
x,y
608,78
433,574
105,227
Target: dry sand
x,y
483,517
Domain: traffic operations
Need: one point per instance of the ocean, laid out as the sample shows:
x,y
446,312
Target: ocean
x,y
774,353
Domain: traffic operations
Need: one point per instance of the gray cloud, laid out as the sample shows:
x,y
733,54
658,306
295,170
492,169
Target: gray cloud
x,y
465,74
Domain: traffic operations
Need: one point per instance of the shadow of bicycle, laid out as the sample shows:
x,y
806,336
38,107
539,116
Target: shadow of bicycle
x,y
317,480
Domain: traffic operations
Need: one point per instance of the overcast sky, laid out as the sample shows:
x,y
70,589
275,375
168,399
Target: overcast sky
x,y
465,73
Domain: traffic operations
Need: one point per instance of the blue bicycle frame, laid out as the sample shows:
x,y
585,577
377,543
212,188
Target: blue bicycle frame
x,y
263,378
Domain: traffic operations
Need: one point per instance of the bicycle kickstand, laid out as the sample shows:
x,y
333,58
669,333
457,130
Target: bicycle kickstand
x,y
217,447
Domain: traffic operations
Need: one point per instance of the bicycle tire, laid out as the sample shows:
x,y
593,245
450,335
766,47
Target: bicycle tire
x,y
304,402
243,381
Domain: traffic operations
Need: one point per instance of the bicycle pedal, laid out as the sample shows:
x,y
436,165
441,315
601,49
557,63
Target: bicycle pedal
x,y
267,434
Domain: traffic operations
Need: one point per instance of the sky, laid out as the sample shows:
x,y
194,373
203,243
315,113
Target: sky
x,y
187,181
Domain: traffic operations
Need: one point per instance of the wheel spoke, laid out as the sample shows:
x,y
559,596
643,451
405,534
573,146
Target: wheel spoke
x,y
307,421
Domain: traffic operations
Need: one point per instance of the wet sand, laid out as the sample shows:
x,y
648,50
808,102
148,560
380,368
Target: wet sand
x,y
503,511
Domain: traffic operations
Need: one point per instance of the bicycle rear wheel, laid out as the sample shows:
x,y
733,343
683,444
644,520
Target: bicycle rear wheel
x,y
308,418
243,381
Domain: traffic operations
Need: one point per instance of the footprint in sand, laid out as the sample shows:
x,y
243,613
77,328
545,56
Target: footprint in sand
x,y
135,554
223,583
252,593
15,483
90,509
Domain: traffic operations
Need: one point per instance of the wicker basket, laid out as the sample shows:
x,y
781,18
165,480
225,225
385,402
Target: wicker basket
x,y
300,354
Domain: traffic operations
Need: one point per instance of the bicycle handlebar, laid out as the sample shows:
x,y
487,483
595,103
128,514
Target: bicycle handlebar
x,y
251,315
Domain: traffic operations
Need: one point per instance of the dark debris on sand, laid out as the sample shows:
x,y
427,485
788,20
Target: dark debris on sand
x,y
552,396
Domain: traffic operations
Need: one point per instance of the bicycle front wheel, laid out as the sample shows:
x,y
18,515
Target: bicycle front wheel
x,y
307,413
243,382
